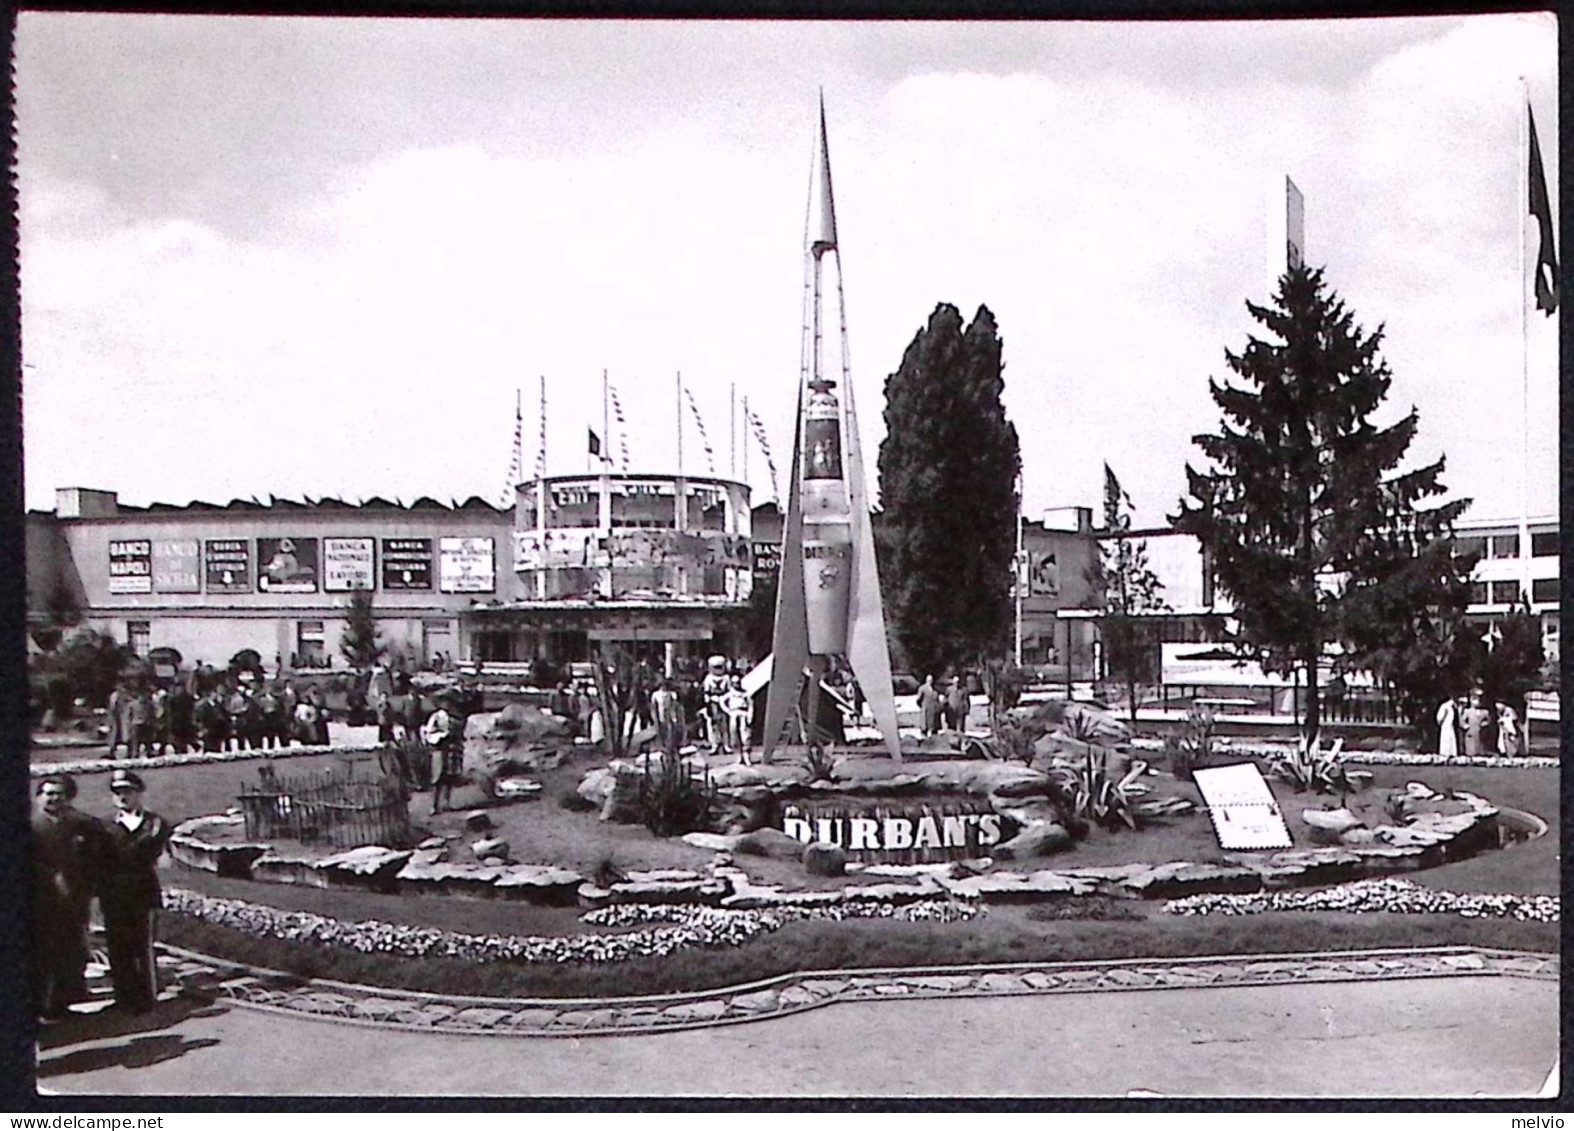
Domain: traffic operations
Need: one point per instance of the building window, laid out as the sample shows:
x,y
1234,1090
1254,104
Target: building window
x,y
1504,546
1544,589
1505,592
1464,547
1544,545
311,649
139,636
1478,593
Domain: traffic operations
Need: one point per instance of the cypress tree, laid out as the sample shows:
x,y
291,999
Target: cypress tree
x,y
947,471
1316,535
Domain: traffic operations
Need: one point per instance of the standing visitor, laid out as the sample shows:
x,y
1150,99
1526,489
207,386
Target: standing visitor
x,y
1448,728
238,706
738,707
158,704
562,705
957,703
667,710
116,734
212,722
1473,721
714,686
929,705
129,894
1507,731
305,722
385,718
182,733
319,701
442,733
584,709
65,850
138,722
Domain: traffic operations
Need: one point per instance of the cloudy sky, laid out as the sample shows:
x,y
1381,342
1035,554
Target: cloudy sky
x,y
317,256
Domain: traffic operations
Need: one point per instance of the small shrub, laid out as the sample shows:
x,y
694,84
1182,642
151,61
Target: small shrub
x,y
674,800
571,800
1313,768
606,872
821,765
1193,750
1014,741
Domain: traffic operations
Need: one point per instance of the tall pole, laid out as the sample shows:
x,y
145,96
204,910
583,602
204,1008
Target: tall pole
x,y
1524,348
604,516
677,493
732,429
541,494
746,422
1021,569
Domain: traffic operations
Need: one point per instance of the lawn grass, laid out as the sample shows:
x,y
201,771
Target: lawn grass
x,y
541,831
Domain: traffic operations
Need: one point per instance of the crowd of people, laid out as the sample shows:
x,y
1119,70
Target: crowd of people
x,y
944,707
210,711
1464,724
77,858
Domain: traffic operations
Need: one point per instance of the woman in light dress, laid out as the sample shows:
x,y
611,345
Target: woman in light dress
x,y
1448,728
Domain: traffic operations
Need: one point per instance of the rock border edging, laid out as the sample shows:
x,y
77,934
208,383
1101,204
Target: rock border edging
x,y
784,995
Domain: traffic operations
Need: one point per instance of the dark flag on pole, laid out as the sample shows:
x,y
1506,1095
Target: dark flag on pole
x,y
1115,495
595,442
1541,208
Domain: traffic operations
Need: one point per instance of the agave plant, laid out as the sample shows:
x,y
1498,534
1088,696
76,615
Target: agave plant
x,y
1092,793
1310,767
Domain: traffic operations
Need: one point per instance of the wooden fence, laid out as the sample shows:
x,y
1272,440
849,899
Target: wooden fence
x,y
325,808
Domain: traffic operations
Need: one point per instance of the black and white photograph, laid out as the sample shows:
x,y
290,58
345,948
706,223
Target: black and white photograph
x,y
733,560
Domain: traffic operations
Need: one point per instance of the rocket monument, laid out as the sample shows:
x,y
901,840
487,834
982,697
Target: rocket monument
x,y
828,599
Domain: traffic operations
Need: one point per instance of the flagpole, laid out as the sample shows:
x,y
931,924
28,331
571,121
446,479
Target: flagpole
x,y
605,518
677,493
1524,349
541,494
1022,572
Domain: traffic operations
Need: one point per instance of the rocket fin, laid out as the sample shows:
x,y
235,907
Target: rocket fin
x,y
790,637
867,651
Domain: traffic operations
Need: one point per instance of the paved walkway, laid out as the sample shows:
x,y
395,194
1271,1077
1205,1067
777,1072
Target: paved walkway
x,y
1434,1036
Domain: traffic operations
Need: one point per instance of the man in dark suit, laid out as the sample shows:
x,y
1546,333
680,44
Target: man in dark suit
x,y
128,892
66,847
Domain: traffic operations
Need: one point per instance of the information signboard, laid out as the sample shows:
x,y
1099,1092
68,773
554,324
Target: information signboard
x,y
131,566
465,565
407,563
347,564
177,566
287,565
1242,807
227,565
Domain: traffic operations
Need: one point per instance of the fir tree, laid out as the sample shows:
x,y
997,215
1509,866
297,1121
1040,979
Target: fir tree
x,y
1316,535
1130,589
359,643
948,469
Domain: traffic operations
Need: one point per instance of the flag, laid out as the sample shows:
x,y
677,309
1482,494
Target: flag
x,y
758,427
1114,499
595,442
699,424
623,432
1541,208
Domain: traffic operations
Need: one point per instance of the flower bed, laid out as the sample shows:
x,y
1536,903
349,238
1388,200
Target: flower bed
x,y
1371,896
676,928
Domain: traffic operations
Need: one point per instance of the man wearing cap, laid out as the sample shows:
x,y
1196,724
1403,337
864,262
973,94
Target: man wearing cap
x,y
128,892
444,734
65,850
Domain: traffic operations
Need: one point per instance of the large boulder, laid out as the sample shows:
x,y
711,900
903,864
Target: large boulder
x,y
1040,838
824,860
769,842
596,784
621,805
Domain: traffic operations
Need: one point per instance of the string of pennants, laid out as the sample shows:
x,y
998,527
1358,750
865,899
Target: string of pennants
x,y
699,423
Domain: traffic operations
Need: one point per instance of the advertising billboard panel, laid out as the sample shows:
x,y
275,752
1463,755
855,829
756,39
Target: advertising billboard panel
x,y
130,566
287,565
227,565
347,564
177,566
407,563
465,565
